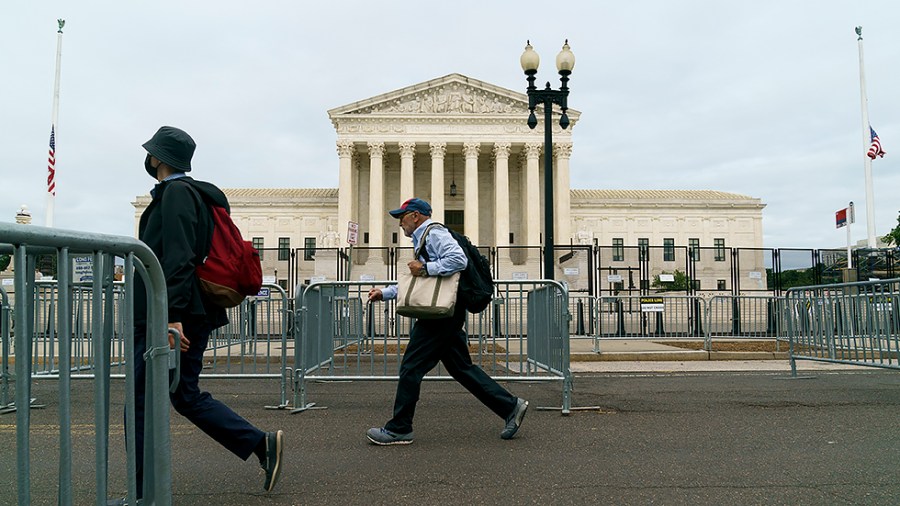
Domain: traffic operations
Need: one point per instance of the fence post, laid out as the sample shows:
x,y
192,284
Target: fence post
x,y
620,313
735,317
659,325
697,331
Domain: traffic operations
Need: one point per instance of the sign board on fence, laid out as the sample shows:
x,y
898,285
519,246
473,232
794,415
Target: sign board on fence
x,y
570,271
352,232
614,278
263,293
520,276
366,277
316,279
666,278
755,274
9,281
652,305
83,269
268,280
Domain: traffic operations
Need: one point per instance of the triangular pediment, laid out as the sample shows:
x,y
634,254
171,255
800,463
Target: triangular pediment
x,y
454,94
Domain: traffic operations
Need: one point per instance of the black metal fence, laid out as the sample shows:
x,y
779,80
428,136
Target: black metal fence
x,y
618,270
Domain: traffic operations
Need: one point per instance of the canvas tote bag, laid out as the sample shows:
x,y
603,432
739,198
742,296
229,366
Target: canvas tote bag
x,y
426,297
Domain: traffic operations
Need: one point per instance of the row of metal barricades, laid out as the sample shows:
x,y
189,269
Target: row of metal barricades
x,y
63,331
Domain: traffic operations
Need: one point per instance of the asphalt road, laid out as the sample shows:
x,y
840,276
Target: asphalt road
x,y
657,438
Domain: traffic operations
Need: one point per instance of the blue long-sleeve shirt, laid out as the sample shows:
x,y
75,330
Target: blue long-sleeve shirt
x,y
444,253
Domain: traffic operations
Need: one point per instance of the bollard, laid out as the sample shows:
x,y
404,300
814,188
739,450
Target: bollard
x,y
735,317
698,319
579,325
620,325
771,318
659,325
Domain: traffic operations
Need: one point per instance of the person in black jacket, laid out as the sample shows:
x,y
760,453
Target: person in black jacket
x,y
177,226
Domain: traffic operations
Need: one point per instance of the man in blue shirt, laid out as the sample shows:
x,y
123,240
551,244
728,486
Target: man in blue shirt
x,y
444,339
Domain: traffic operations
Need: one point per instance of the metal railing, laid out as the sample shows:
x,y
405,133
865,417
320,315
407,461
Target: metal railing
x,y
850,323
523,336
26,242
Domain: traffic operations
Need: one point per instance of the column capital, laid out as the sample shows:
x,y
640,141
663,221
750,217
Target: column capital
x,y
376,149
437,149
472,149
407,149
562,150
533,149
345,149
501,149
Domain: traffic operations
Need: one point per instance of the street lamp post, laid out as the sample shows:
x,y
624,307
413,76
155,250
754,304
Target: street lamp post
x,y
565,62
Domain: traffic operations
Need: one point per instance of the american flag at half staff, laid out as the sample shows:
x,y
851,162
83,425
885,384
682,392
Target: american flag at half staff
x,y
51,163
875,147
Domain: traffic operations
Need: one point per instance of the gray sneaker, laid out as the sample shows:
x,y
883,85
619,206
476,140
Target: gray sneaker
x,y
514,420
384,437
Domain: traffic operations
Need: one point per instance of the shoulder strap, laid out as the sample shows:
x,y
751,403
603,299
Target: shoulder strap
x,y
421,250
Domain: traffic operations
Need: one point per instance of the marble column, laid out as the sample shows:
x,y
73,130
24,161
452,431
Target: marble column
x,y
533,196
438,150
471,151
376,194
563,212
501,194
347,194
407,186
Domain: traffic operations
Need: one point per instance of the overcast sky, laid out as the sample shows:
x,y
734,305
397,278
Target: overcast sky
x,y
760,98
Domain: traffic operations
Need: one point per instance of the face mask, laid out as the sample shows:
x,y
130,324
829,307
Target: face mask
x,y
150,168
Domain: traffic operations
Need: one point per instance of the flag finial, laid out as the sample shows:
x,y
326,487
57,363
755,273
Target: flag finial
x,y
62,23
859,32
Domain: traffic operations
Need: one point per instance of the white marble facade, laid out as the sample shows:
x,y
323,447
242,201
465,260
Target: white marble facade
x,y
457,131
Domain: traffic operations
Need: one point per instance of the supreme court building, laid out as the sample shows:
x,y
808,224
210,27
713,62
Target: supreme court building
x,y
464,146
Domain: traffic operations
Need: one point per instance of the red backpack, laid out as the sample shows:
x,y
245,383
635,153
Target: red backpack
x,y
231,270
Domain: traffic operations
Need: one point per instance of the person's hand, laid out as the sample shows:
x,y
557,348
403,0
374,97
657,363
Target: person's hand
x,y
375,294
417,268
185,342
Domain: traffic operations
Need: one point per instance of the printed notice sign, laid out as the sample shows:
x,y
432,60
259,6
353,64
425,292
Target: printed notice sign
x,y
83,270
570,271
652,305
520,276
614,278
352,232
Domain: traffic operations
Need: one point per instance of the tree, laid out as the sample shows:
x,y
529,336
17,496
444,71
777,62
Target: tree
x,y
682,282
893,237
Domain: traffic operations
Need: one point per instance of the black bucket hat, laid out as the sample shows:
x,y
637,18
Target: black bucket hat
x,y
173,147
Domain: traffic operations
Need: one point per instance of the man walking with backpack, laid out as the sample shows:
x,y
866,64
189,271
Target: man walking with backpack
x,y
177,226
440,340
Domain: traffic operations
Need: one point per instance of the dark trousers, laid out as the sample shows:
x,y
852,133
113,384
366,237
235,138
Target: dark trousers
x,y
443,340
211,416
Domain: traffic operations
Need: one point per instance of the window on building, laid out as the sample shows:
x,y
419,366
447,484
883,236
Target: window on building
x,y
720,249
618,249
643,248
668,250
720,284
695,284
309,248
258,245
645,284
393,237
284,248
694,249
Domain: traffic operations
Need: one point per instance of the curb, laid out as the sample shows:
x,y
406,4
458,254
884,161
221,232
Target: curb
x,y
675,356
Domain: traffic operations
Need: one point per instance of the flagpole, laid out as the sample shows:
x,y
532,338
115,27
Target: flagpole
x,y
870,193
51,164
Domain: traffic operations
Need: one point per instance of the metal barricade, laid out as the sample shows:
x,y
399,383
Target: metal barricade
x,y
851,323
254,344
31,332
339,335
742,317
654,316
5,400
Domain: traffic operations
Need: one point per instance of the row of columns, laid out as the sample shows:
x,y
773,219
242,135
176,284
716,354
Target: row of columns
x,y
348,186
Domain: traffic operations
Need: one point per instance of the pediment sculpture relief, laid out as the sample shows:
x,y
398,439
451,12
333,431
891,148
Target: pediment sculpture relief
x,y
451,99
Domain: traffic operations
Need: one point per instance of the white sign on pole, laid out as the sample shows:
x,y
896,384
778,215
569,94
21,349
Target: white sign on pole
x,y
570,271
755,274
268,280
614,278
666,278
366,277
520,276
352,232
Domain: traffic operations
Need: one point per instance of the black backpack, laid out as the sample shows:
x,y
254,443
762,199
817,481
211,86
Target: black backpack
x,y
476,284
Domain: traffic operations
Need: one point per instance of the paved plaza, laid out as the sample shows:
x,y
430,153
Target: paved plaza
x,y
684,435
